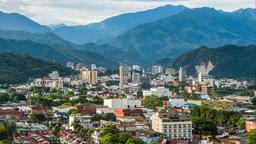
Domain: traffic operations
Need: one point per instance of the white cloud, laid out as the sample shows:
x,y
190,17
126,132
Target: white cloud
x,y
76,12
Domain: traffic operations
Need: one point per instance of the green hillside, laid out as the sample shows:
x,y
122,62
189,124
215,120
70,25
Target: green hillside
x,y
229,61
55,53
16,68
189,29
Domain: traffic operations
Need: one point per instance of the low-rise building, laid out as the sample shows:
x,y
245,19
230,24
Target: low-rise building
x,y
88,109
83,120
250,125
172,123
122,103
135,114
62,108
158,91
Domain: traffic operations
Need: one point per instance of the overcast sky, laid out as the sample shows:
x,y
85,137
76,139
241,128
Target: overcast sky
x,y
78,12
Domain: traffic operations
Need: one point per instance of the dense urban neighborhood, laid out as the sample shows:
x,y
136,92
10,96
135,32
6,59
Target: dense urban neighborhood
x,y
127,71
132,105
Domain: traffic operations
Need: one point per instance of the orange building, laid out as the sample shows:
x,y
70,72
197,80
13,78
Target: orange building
x,y
136,114
250,124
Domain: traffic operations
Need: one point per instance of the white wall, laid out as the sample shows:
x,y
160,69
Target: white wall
x,y
122,103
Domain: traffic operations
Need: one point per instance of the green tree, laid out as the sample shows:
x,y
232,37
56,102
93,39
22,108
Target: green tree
x,y
73,111
96,117
151,102
16,97
4,97
10,126
134,141
3,132
123,137
109,139
109,117
251,137
97,100
241,123
37,117
254,102
204,126
108,129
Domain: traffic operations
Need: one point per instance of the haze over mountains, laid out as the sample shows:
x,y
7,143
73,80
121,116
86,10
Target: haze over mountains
x,y
189,29
143,38
114,26
15,21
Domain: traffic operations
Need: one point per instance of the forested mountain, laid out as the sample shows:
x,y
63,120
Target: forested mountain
x,y
15,21
114,26
147,37
54,53
42,38
16,68
228,61
189,29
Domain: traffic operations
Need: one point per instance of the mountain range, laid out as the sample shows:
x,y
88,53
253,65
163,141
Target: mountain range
x,y
189,29
54,53
228,61
15,21
114,26
145,38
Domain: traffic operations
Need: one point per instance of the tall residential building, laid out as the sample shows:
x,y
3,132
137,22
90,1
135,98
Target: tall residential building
x,y
202,76
156,69
136,77
89,76
182,74
173,123
123,75
93,67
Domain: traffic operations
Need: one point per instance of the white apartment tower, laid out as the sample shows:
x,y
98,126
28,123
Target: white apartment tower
x,y
182,74
156,69
123,75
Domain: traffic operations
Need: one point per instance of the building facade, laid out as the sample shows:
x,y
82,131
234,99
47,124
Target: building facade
x,y
182,74
173,124
89,76
122,103
158,91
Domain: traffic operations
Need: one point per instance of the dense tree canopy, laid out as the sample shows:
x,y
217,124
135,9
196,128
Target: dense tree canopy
x,y
151,102
251,137
205,120
16,68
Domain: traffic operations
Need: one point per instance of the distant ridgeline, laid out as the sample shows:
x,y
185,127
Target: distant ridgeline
x,y
16,68
144,38
227,61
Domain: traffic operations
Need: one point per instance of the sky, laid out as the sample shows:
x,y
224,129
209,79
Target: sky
x,y
80,12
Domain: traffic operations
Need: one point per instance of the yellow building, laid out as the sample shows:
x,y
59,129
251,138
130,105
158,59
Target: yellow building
x,y
89,76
